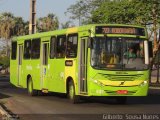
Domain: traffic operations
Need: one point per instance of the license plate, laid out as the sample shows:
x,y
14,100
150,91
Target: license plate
x,y
122,91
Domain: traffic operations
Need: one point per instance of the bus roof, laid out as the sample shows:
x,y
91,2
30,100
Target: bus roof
x,y
68,31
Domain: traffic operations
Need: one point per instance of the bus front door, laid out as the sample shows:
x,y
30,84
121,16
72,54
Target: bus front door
x,y
20,53
83,66
44,69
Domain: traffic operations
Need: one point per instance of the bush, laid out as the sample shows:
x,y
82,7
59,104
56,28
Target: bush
x,y
4,61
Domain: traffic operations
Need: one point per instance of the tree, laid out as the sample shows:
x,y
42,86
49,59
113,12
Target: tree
x,y
67,25
21,27
156,20
115,11
122,12
48,23
7,25
11,26
82,10
151,15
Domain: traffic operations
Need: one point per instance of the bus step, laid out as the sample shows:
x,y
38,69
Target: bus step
x,y
83,93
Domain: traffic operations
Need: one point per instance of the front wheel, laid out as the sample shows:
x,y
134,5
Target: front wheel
x,y
71,93
31,91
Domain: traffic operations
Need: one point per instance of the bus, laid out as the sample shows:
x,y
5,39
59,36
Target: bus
x,y
91,60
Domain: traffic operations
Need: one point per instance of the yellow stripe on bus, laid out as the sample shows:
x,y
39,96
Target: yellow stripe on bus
x,y
72,30
121,83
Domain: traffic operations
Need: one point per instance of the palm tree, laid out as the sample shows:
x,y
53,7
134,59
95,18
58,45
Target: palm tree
x,y
7,24
21,27
48,23
10,26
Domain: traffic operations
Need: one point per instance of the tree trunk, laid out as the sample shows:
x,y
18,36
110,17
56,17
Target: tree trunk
x,y
155,28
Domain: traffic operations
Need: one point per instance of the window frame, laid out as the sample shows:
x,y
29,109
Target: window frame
x,y
15,52
53,47
35,39
24,57
71,35
57,46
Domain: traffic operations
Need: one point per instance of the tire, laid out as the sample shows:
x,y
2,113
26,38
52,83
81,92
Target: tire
x,y
71,93
121,100
31,91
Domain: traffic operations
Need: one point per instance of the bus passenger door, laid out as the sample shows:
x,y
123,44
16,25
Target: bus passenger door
x,y
44,69
83,66
20,53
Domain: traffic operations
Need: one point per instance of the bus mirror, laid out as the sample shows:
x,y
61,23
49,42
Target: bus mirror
x,y
150,48
89,42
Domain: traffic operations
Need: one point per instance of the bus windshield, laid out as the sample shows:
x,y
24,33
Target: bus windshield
x,y
118,53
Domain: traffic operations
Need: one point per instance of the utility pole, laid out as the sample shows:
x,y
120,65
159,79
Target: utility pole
x,y
32,21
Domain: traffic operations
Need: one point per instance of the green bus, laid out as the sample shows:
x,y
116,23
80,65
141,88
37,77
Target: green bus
x,y
91,60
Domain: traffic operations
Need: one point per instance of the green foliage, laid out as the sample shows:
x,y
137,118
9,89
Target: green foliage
x,y
21,27
11,25
4,61
82,10
67,24
48,23
115,11
123,12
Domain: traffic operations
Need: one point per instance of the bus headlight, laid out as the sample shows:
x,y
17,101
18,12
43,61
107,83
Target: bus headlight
x,y
143,83
99,83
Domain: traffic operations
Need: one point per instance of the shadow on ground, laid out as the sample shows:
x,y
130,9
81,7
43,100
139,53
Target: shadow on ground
x,y
2,96
152,98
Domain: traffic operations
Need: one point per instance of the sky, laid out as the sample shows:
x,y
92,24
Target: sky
x,y
43,7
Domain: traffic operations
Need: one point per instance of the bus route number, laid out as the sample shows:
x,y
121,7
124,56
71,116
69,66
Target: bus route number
x,y
119,30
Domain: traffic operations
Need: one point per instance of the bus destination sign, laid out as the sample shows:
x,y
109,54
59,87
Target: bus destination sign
x,y
120,30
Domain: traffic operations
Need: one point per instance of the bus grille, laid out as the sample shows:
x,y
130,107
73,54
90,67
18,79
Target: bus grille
x,y
122,77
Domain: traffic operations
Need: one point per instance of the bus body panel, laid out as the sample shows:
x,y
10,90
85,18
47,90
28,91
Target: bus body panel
x,y
57,75
13,70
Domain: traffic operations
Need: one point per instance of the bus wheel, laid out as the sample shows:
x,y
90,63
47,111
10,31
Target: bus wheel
x,y
71,93
121,100
31,91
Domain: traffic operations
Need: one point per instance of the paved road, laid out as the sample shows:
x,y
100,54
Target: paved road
x,y
58,107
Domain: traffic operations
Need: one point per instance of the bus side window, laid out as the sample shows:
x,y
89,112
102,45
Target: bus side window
x,y
14,50
61,46
72,43
52,47
35,53
27,49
